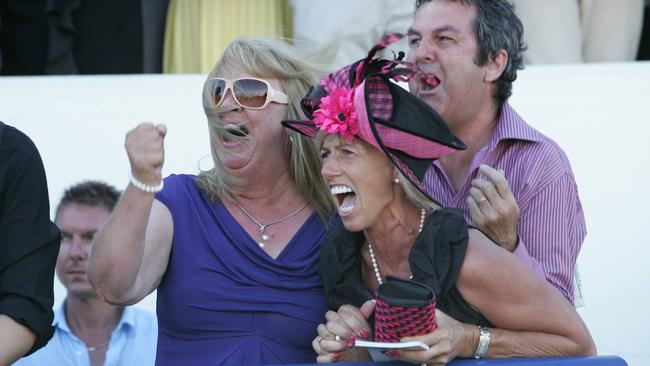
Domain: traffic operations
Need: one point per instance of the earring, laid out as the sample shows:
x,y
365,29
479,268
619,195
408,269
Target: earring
x,y
396,180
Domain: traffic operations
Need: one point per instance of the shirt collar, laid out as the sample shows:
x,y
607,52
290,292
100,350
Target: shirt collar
x,y
60,321
59,318
512,127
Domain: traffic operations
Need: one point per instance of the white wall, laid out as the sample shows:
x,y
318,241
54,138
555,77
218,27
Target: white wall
x,y
599,113
78,124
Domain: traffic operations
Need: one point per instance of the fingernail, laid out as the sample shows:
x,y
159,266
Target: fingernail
x,y
350,342
363,334
393,353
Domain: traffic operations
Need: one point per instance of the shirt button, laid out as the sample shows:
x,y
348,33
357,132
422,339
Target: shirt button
x,y
78,353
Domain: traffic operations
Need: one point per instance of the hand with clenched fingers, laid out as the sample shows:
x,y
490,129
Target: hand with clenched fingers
x,y
145,147
451,339
335,341
493,208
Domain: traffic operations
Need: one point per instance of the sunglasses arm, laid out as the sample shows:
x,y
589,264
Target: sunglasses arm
x,y
278,96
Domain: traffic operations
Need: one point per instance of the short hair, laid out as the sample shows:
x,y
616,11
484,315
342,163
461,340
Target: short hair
x,y
497,27
271,59
91,193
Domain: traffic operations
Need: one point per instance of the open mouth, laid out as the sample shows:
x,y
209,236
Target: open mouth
x,y
429,83
234,133
346,198
235,130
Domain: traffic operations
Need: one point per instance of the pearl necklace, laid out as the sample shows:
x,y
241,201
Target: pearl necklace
x,y
375,265
262,227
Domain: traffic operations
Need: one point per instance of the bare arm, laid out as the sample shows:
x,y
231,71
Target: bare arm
x,y
533,317
530,316
130,253
18,344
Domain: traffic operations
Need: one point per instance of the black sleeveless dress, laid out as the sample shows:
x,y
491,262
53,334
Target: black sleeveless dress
x,y
435,259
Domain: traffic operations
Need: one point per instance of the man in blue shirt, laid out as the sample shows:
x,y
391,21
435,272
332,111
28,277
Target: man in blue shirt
x,y
89,331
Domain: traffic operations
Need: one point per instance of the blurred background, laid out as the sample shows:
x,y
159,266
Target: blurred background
x,y
61,37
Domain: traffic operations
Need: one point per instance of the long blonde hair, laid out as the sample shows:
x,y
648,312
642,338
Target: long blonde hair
x,y
271,59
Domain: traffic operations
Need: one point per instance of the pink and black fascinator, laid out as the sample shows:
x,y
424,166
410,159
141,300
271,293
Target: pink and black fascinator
x,y
361,100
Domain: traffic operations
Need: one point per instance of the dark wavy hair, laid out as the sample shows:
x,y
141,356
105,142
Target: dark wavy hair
x,y
91,193
497,27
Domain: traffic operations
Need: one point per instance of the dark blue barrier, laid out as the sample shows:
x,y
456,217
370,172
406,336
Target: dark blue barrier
x,y
545,361
541,361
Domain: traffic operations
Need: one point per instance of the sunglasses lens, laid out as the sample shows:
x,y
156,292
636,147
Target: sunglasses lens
x,y
251,93
217,87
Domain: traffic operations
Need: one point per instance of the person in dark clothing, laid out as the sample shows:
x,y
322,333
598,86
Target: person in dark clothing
x,y
376,143
60,37
29,243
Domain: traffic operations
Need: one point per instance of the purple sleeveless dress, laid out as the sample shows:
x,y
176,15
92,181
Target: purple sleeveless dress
x,y
223,300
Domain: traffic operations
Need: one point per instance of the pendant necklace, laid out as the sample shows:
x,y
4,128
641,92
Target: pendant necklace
x,y
95,348
375,265
264,237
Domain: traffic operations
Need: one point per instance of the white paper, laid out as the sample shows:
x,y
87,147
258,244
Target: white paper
x,y
377,349
396,345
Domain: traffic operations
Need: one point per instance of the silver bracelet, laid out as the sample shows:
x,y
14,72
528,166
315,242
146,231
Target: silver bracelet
x,y
483,342
143,187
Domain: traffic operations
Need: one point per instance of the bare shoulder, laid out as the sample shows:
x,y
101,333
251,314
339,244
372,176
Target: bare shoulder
x,y
490,271
501,286
483,255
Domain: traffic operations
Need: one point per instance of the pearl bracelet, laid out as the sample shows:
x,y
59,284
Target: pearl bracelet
x,y
143,187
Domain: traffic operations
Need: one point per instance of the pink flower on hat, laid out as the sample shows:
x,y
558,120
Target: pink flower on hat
x,y
337,114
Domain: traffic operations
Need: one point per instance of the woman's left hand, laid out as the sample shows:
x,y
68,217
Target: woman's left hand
x,y
450,340
336,338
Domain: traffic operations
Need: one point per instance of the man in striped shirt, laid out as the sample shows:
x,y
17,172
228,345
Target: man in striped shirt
x,y
512,182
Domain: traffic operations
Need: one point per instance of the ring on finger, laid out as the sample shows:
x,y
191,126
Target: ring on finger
x,y
337,338
319,338
482,199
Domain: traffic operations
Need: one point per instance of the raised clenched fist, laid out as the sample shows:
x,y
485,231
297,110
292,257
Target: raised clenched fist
x,y
145,148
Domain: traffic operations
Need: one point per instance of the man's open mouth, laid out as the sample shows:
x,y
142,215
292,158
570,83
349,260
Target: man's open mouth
x,y
429,82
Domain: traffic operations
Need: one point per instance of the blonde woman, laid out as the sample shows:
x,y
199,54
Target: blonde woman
x,y
233,252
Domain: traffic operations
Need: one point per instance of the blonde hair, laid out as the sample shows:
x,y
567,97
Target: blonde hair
x,y
271,59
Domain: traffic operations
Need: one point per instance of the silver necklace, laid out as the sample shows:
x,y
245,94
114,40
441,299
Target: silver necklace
x,y
95,348
375,265
262,227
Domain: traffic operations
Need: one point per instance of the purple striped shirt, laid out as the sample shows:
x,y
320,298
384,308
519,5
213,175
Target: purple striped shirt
x,y
551,223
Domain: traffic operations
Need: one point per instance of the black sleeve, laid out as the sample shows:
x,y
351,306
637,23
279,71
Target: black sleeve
x,y
29,241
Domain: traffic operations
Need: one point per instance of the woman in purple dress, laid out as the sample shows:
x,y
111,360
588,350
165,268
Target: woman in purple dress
x,y
233,251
